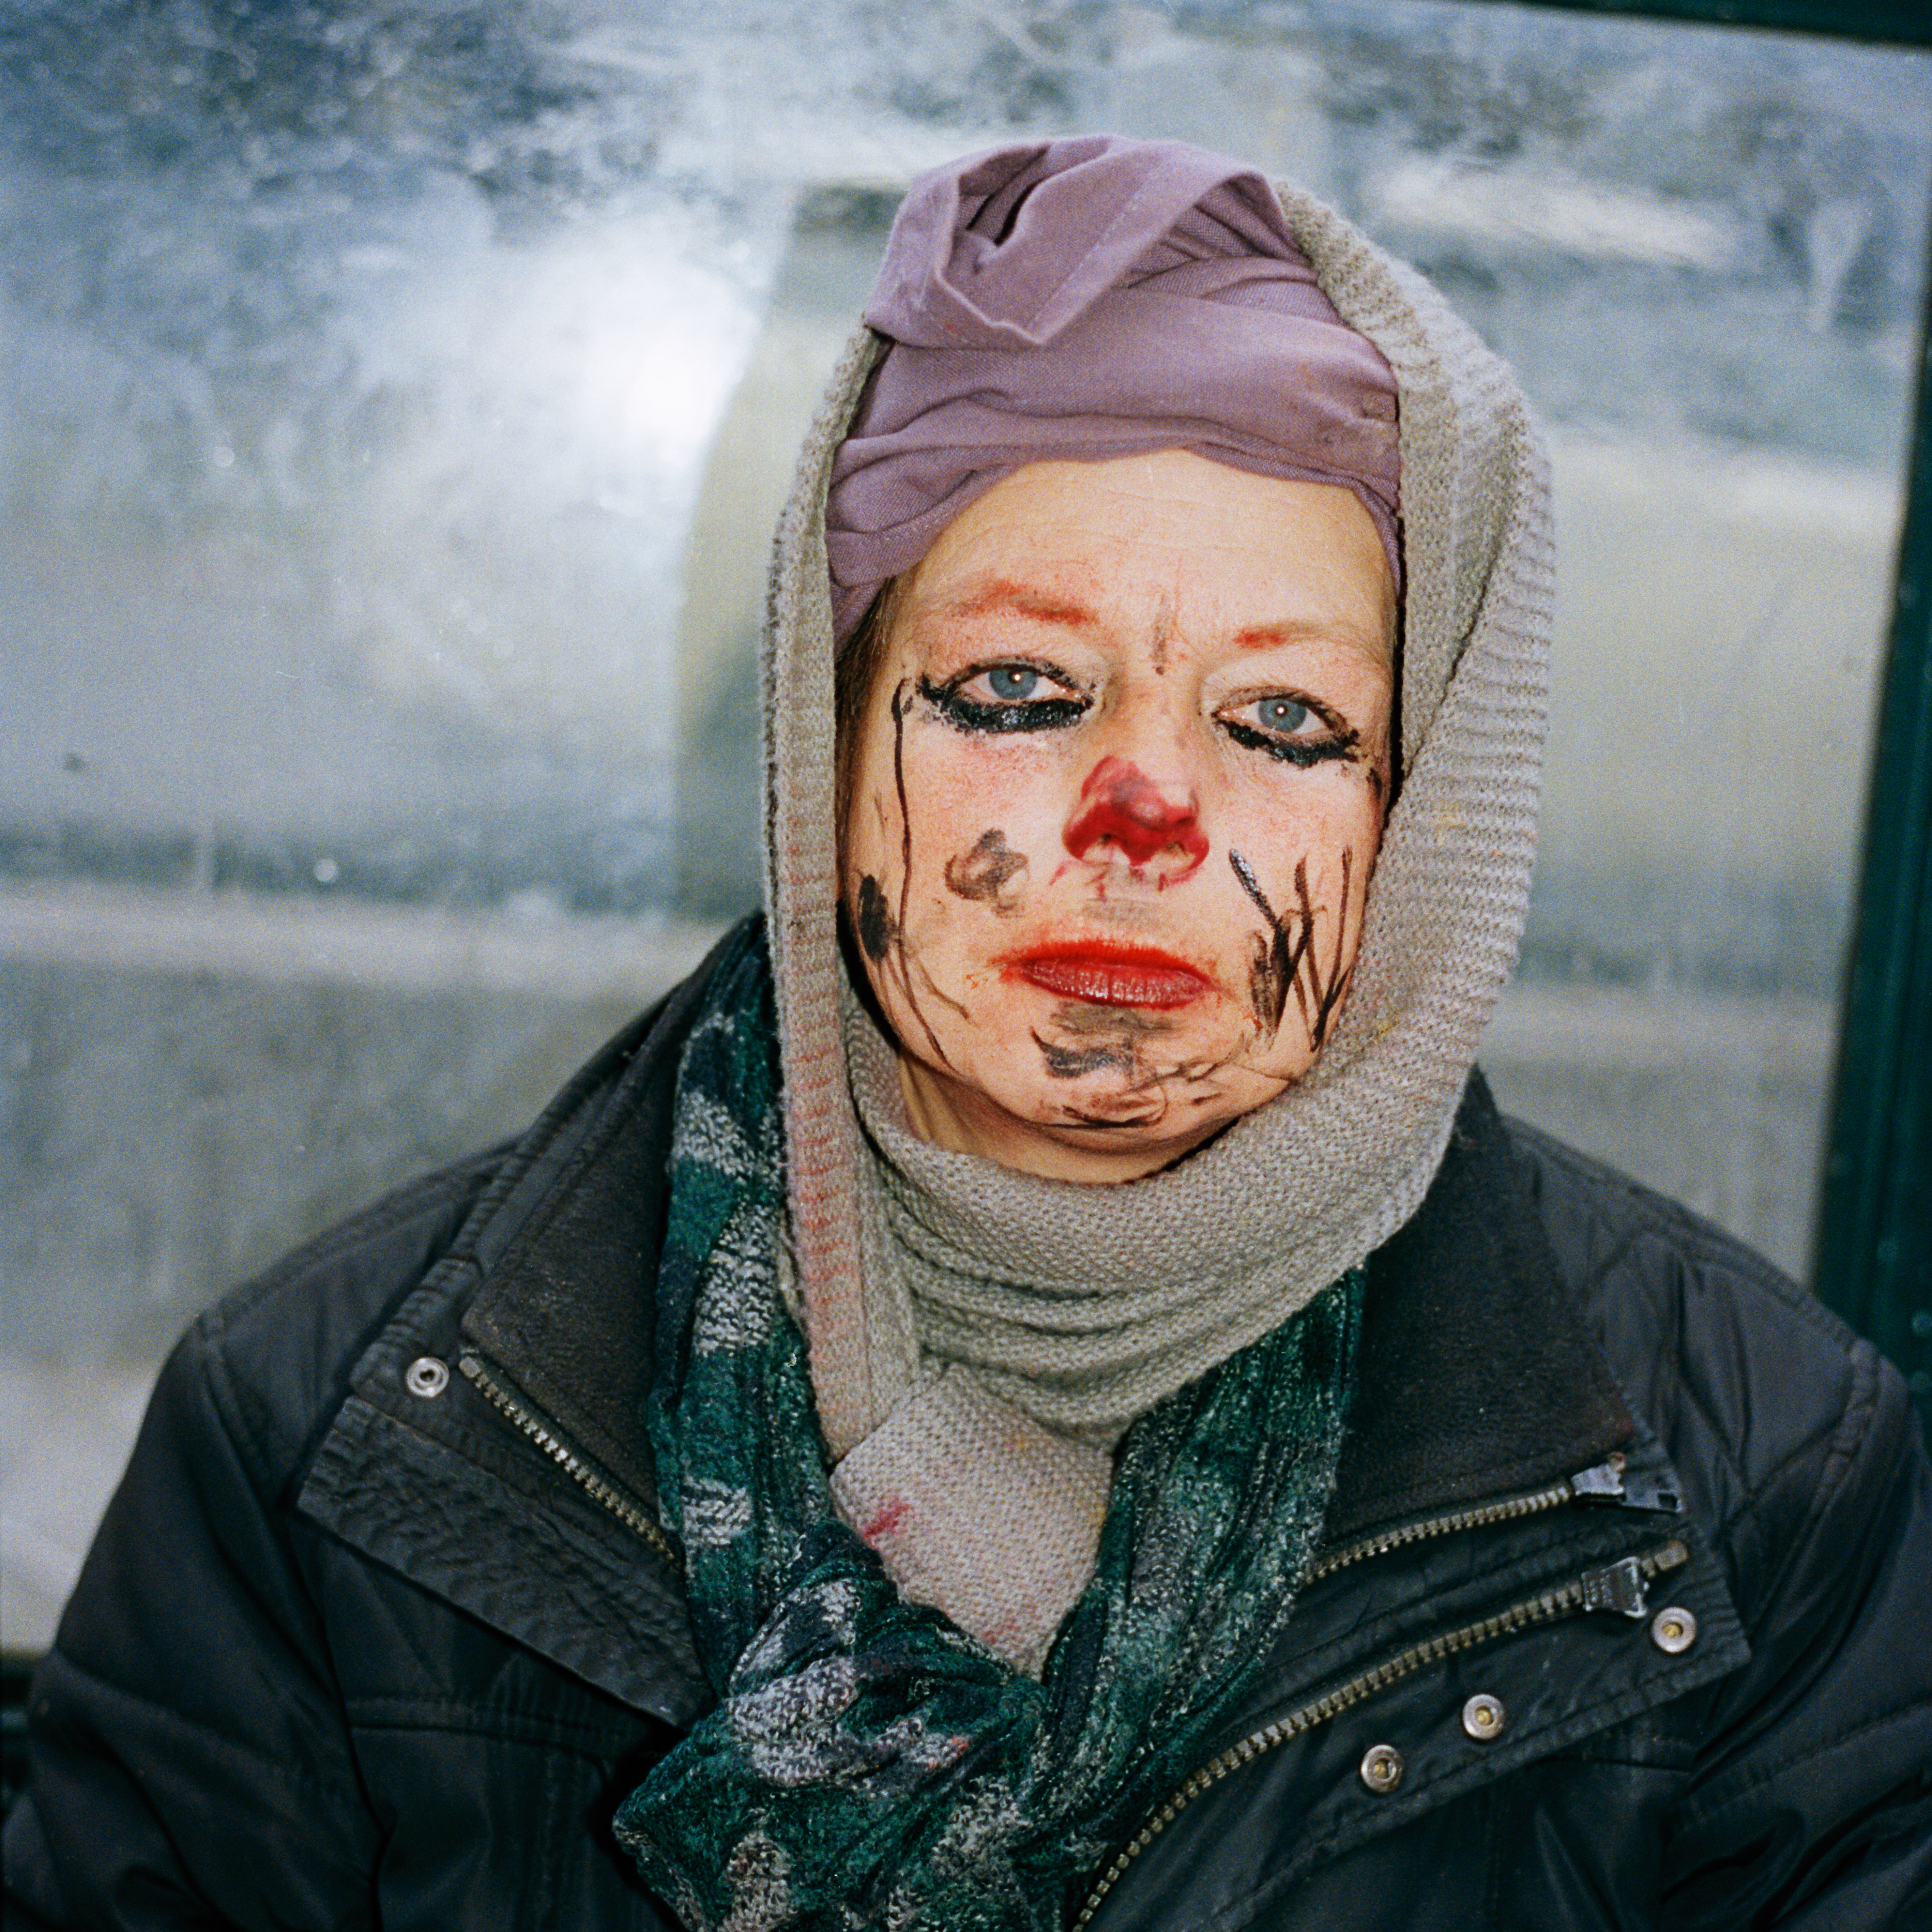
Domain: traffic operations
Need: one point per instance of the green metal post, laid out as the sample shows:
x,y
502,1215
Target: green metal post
x,y
1873,1259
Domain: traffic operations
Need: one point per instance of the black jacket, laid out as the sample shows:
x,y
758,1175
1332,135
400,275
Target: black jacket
x,y
1624,1619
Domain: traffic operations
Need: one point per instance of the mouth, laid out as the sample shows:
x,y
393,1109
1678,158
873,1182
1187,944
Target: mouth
x,y
1101,974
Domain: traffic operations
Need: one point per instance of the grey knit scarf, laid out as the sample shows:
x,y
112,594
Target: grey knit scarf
x,y
1328,1170
978,1339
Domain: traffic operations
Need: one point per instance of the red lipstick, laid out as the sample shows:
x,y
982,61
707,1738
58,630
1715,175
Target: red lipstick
x,y
1104,975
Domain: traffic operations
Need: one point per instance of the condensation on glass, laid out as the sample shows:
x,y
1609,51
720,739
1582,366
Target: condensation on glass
x,y
396,402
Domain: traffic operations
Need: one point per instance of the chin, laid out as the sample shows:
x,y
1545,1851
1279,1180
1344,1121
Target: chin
x,y
1153,1123
1070,1088
1086,1151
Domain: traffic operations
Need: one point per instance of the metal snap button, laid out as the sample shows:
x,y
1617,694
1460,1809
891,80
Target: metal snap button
x,y
1673,1629
1483,1717
426,1376
1380,1768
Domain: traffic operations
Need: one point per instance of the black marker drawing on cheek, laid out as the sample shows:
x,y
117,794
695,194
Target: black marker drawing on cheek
x,y
1273,965
1115,1041
984,873
900,702
1276,967
1076,1063
1140,1101
1145,1096
940,993
1329,997
876,929
881,934
1107,1041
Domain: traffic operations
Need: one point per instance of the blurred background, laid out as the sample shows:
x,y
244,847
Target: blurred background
x,y
395,401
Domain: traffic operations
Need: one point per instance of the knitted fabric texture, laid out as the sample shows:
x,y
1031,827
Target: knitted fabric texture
x,y
1030,1284
1329,1170
868,1763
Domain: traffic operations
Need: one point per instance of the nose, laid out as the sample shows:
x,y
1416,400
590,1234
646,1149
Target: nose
x,y
1121,807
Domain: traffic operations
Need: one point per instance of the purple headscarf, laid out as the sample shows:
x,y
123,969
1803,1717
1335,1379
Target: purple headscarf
x,y
1089,299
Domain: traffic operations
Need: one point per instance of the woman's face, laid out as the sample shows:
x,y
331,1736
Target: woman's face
x,y
1114,800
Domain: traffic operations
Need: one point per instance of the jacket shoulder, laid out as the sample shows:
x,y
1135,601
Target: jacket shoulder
x,y
192,1656
1691,1317
1802,1462
281,1348
1795,1439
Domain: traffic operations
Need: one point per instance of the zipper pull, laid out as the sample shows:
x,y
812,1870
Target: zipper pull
x,y
1606,1482
1618,1589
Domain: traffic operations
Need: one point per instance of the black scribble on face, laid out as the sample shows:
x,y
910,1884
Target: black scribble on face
x,y
880,933
1124,1023
1268,985
1076,1063
1115,1043
1327,990
1278,965
1274,962
938,992
901,703
984,873
877,931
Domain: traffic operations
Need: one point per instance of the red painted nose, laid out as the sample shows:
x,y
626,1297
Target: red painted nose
x,y
1121,806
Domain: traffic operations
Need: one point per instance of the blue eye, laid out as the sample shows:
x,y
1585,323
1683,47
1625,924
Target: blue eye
x,y
1280,714
1005,697
1288,729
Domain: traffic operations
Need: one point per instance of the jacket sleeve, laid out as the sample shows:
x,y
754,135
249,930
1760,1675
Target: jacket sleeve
x,y
1811,1807
190,1763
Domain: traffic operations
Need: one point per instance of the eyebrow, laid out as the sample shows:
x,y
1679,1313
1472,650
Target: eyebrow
x,y
1009,598
1297,631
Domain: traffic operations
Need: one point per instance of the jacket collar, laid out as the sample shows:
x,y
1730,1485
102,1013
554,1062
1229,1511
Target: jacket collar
x,y
1478,1376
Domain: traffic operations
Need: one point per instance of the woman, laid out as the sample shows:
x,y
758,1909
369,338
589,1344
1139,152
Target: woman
x,y
1038,1387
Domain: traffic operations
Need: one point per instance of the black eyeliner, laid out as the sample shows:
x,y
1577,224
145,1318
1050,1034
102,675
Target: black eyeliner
x,y
1303,751
966,714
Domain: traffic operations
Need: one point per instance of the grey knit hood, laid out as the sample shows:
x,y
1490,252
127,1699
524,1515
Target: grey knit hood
x,y
1346,1154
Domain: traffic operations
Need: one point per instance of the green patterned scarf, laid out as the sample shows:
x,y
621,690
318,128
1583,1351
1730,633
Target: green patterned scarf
x,y
868,1763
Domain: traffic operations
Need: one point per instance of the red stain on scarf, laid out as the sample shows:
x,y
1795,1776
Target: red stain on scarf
x,y
888,1519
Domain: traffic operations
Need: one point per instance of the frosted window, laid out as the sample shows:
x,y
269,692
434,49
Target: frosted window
x,y
394,407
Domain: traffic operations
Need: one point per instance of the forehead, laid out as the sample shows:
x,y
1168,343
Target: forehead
x,y
1100,548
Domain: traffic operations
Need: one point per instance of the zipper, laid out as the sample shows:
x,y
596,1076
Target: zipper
x,y
538,1428
1602,1483
1507,1510
1617,1587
